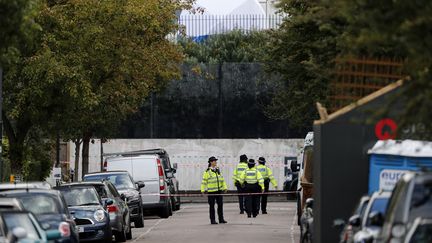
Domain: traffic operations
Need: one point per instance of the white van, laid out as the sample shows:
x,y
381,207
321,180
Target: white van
x,y
147,168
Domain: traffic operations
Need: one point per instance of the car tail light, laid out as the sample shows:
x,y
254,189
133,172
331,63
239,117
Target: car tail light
x,y
161,176
112,208
64,229
105,165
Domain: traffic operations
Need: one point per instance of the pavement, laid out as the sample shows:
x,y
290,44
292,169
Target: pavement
x,y
192,224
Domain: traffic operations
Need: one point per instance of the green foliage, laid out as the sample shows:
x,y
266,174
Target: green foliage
x,y
110,55
302,51
80,67
234,46
398,28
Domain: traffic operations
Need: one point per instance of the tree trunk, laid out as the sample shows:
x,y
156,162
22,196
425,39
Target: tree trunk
x,y
85,153
16,157
77,155
16,139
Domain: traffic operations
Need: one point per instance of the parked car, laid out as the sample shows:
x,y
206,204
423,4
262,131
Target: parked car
x,y
370,222
126,186
352,226
291,180
157,175
88,210
420,231
118,211
50,209
9,204
22,226
306,225
411,198
24,185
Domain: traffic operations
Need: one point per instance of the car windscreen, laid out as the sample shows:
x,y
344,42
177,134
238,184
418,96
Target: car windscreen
x,y
13,220
101,191
422,234
80,196
421,201
120,181
39,203
378,205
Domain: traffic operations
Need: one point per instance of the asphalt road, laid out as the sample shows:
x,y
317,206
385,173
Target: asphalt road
x,y
191,224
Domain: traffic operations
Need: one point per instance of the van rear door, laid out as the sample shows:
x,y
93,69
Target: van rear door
x,y
145,169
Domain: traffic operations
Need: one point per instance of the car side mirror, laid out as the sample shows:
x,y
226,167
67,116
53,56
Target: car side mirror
x,y
17,234
108,202
376,218
123,197
140,184
354,220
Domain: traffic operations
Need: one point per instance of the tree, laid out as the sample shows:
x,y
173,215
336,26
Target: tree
x,y
402,29
112,55
79,67
302,52
20,38
233,46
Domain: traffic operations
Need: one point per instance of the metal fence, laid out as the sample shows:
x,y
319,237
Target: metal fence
x,y
204,25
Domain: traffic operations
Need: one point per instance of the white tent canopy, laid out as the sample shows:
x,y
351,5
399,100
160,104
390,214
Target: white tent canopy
x,y
221,16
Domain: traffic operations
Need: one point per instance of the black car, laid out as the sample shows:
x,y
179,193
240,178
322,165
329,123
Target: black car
x,y
118,211
89,212
126,186
50,209
291,179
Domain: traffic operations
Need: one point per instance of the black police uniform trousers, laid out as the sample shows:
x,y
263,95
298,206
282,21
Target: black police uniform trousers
x,y
251,201
241,198
263,198
211,201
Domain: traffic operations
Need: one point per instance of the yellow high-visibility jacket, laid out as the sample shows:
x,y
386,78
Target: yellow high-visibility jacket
x,y
267,173
251,176
212,181
242,166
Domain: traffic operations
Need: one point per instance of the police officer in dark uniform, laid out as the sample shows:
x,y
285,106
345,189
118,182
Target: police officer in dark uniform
x,y
253,182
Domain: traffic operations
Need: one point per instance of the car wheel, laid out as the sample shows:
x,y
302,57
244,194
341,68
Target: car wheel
x,y
120,236
177,206
166,211
108,234
129,233
139,223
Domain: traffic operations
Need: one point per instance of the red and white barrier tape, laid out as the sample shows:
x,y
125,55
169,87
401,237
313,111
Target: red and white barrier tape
x,y
218,194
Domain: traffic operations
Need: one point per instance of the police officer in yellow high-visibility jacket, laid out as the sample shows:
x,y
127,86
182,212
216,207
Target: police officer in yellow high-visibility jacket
x,y
214,183
267,174
253,182
242,166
